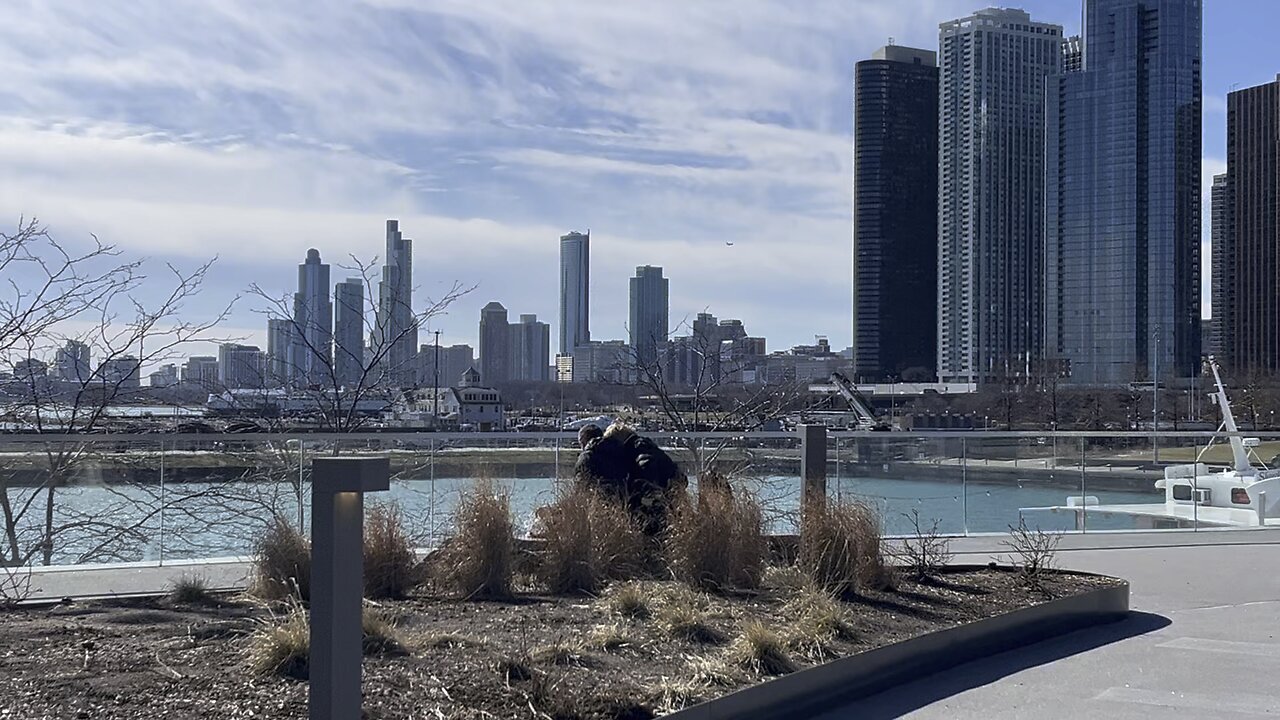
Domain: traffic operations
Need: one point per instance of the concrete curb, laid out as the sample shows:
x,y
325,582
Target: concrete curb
x,y
823,686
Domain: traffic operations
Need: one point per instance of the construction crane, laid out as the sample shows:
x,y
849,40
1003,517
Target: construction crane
x,y
867,420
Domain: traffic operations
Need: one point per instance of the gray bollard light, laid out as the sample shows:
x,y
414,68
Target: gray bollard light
x,y
813,463
338,485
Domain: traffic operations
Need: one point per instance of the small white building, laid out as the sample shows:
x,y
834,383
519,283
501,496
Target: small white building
x,y
469,406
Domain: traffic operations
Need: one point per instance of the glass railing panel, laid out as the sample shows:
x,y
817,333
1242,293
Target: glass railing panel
x,y
902,476
1016,477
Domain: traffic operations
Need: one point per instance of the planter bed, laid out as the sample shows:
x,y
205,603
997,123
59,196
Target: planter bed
x,y
534,657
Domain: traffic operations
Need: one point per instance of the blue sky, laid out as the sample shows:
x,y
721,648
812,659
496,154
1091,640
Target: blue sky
x,y
256,130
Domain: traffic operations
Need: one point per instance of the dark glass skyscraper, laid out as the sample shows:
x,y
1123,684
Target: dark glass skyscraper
x,y
895,205
1221,269
395,339
648,314
1122,227
1250,262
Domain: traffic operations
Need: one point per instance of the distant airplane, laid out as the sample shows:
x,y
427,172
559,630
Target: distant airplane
x,y
728,243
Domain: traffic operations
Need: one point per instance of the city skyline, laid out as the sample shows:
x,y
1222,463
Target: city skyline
x,y
257,190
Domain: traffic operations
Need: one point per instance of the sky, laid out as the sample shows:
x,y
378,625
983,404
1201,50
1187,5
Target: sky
x,y
253,131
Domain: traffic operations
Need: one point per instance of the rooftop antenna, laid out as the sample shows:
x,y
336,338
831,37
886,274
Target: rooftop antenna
x,y
891,40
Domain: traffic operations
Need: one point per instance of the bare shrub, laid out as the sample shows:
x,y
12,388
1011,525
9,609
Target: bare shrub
x,y
1034,552
926,552
717,543
587,540
282,644
390,567
840,547
477,561
282,563
630,601
191,589
760,650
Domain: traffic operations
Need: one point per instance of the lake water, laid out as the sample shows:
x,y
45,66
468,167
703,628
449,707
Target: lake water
x,y
191,520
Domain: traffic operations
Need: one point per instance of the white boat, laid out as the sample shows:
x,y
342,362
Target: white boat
x,y
1242,496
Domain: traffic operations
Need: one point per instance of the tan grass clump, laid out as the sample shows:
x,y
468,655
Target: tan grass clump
x,y
717,542
761,651
390,567
686,622
282,644
588,540
477,561
840,548
282,563
630,600
190,589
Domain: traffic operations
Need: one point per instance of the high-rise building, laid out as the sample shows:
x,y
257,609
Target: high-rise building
x,y
280,352
312,357
1222,270
396,336
530,347
1122,227
240,366
121,373
992,70
348,333
575,290
1251,265
201,371
164,376
603,361
895,219
650,293
454,361
495,345
72,362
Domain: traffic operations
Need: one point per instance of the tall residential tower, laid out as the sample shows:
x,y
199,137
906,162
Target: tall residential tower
x,y
648,314
895,201
395,339
312,334
992,70
348,333
575,291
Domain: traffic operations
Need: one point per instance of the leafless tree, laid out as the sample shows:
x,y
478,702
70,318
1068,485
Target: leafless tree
x,y
55,295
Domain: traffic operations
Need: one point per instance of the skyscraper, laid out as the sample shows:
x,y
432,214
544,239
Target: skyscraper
x,y
1122,231
240,366
280,349
495,345
992,70
1222,270
895,219
530,348
1251,266
348,332
313,324
648,314
396,336
575,290
72,362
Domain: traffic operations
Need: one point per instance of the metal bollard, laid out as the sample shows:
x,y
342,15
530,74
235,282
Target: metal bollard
x,y
813,463
338,485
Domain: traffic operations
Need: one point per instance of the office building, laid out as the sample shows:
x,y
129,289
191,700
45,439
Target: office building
x,y
348,333
280,352
454,361
312,357
992,68
1221,270
240,366
395,337
495,344
165,376
604,361
1251,266
895,220
201,371
1122,228
530,347
647,323
72,362
575,290
121,373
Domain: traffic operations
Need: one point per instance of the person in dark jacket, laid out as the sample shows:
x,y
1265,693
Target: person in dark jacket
x,y
632,468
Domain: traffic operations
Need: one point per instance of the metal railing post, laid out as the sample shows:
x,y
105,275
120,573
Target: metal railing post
x,y
813,463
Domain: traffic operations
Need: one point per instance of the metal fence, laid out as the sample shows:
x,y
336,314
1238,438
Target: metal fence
x,y
72,499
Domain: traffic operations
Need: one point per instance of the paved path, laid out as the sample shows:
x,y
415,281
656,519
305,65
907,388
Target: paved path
x,y
1204,642
57,582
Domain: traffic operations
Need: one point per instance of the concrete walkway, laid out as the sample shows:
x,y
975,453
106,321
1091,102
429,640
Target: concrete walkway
x,y
1204,642
88,581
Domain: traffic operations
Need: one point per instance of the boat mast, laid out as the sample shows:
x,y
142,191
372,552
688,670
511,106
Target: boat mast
x,y
1229,422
